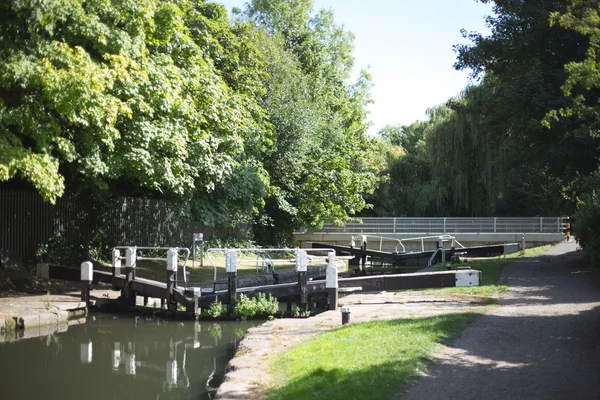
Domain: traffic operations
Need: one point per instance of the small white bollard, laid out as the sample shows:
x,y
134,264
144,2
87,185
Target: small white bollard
x,y
346,311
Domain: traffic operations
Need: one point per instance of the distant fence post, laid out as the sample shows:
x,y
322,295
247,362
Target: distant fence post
x,y
231,269
301,269
331,281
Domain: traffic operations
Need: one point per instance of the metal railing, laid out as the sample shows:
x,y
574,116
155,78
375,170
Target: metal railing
x,y
261,251
450,225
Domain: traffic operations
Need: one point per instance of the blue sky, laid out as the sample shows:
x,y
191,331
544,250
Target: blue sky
x,y
407,47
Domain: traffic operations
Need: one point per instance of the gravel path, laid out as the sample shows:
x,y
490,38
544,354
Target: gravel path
x,y
543,342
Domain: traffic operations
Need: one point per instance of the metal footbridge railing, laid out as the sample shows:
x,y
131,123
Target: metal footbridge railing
x,y
450,225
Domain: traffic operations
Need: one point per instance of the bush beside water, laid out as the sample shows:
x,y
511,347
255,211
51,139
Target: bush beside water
x,y
262,306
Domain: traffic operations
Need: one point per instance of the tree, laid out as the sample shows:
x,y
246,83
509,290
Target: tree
x,y
148,94
524,59
323,163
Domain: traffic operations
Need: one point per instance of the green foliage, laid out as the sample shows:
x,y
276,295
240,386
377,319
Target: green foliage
x,y
250,120
261,306
522,141
524,61
153,94
216,310
324,162
587,221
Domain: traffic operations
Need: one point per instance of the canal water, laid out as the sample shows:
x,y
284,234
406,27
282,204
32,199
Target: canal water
x,y
110,357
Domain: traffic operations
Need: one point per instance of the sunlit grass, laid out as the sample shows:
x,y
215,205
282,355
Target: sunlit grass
x,y
363,361
493,286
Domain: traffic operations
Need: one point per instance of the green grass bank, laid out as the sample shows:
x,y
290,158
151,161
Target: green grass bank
x,y
376,360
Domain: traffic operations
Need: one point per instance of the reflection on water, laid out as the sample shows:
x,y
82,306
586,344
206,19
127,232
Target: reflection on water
x,y
119,357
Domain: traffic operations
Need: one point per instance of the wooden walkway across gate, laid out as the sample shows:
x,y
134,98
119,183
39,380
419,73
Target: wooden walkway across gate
x,y
314,287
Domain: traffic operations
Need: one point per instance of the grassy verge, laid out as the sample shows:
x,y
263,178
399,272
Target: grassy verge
x,y
364,361
491,271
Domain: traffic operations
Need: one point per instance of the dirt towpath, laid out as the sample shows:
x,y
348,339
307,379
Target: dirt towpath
x,y
543,342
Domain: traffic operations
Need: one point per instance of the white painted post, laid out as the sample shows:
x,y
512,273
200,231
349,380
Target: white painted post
x,y
394,230
87,276
331,281
130,257
172,260
522,242
231,269
171,279
441,249
87,271
301,269
301,261
116,262
231,261
495,220
541,224
444,224
128,296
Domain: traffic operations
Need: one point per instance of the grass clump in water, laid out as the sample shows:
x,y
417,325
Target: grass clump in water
x,y
373,360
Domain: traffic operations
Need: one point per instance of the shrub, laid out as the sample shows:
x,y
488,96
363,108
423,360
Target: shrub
x,y
587,226
245,307
262,306
215,310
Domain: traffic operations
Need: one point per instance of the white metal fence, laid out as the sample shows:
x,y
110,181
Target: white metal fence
x,y
451,225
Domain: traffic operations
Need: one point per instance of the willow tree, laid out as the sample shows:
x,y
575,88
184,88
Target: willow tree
x,y
467,153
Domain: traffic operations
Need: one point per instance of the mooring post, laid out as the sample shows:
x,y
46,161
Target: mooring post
x,y
87,276
301,269
231,269
346,311
171,283
331,281
363,248
116,264
128,296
